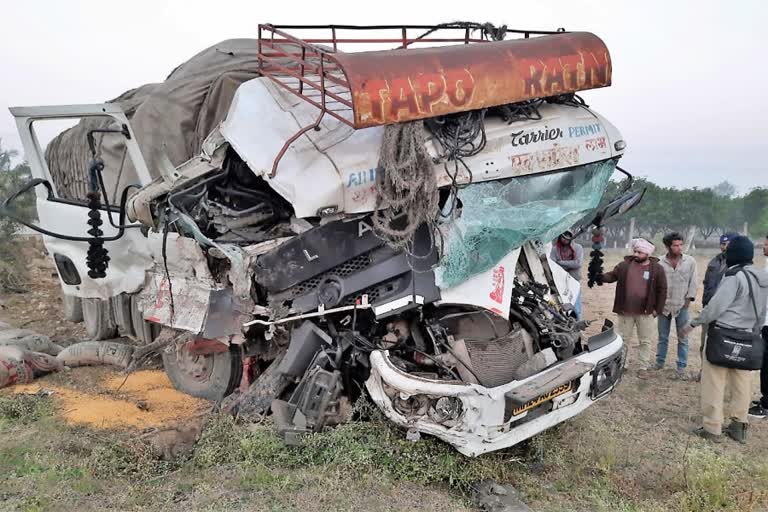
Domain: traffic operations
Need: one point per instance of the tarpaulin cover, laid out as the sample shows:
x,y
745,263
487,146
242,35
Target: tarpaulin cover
x,y
174,117
500,216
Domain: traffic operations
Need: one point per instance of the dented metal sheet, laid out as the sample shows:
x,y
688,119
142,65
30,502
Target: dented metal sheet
x,y
404,85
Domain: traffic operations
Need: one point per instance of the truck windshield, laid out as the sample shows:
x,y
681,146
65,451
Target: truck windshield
x,y
500,216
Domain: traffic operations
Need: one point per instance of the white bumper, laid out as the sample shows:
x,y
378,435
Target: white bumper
x,y
481,426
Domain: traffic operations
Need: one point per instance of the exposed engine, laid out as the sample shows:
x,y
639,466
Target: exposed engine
x,y
234,206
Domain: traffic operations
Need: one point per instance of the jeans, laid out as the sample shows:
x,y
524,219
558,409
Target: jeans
x,y
665,326
577,306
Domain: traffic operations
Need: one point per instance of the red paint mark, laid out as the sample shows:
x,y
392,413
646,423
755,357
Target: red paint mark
x,y
162,291
203,346
497,295
595,144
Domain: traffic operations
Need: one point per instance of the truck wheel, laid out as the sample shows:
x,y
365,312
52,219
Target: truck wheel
x,y
144,331
97,316
121,311
210,376
73,308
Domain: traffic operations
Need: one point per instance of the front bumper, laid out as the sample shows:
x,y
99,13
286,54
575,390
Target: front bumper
x,y
475,419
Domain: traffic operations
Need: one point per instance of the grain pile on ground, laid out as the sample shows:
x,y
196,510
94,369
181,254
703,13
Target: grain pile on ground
x,y
146,400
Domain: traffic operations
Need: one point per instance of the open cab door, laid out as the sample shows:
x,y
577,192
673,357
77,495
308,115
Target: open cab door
x,y
56,140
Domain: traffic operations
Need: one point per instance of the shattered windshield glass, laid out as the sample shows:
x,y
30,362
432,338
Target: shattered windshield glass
x,y
500,216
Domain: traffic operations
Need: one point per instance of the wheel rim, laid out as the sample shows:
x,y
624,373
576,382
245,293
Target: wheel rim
x,y
198,368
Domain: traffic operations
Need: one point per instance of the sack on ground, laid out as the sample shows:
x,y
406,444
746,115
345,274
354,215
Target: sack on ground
x,y
89,353
19,366
28,340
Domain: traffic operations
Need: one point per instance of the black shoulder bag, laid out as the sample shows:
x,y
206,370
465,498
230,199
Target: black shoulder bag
x,y
734,348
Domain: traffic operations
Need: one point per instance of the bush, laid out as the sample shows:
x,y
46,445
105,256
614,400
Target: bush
x,y
12,267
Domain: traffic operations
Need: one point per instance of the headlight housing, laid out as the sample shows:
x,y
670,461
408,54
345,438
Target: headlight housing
x,y
606,375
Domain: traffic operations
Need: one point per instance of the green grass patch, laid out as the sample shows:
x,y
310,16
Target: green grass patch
x,y
23,409
358,448
714,481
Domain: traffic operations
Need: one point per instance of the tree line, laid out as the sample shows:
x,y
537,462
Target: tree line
x,y
706,212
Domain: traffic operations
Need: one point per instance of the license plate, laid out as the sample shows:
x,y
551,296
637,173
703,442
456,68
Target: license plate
x,y
560,390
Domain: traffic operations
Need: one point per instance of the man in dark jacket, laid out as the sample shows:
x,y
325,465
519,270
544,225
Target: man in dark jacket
x,y
641,294
759,408
716,269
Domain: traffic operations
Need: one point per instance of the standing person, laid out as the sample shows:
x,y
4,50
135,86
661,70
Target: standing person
x,y
714,274
570,256
759,408
641,292
682,284
738,304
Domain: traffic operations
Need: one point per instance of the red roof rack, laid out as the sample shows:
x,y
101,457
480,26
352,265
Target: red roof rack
x,y
426,71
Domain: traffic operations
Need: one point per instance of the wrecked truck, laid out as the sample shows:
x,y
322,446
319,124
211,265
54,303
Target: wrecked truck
x,y
369,216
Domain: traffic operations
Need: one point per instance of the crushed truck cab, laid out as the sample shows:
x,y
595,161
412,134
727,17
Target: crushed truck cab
x,y
353,223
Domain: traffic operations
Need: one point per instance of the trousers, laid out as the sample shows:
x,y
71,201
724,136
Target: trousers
x,y
645,325
714,380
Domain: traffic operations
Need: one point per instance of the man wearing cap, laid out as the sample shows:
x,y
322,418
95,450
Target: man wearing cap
x,y
739,303
641,293
714,274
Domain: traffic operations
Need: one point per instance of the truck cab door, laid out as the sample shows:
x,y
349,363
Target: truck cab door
x,y
62,208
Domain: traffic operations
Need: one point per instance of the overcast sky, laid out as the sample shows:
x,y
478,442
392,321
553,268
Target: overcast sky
x,y
689,77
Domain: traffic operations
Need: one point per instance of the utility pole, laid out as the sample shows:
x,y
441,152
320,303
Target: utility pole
x,y
745,232
690,243
631,231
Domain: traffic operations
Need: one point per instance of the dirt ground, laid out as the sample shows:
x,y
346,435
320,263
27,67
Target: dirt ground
x,y
631,451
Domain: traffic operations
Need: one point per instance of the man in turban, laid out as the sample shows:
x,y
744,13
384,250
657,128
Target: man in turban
x,y
641,293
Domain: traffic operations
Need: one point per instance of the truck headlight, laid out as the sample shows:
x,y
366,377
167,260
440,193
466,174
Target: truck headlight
x,y
447,408
606,375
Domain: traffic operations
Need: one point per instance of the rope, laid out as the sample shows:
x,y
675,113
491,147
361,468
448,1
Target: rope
x,y
405,184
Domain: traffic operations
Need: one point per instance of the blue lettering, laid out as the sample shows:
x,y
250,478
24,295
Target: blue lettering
x,y
582,131
361,178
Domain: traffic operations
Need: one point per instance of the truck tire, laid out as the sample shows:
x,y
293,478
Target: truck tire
x,y
97,316
211,376
73,308
144,331
121,312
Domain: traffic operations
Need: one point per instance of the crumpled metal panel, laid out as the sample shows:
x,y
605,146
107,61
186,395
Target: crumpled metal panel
x,y
404,85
